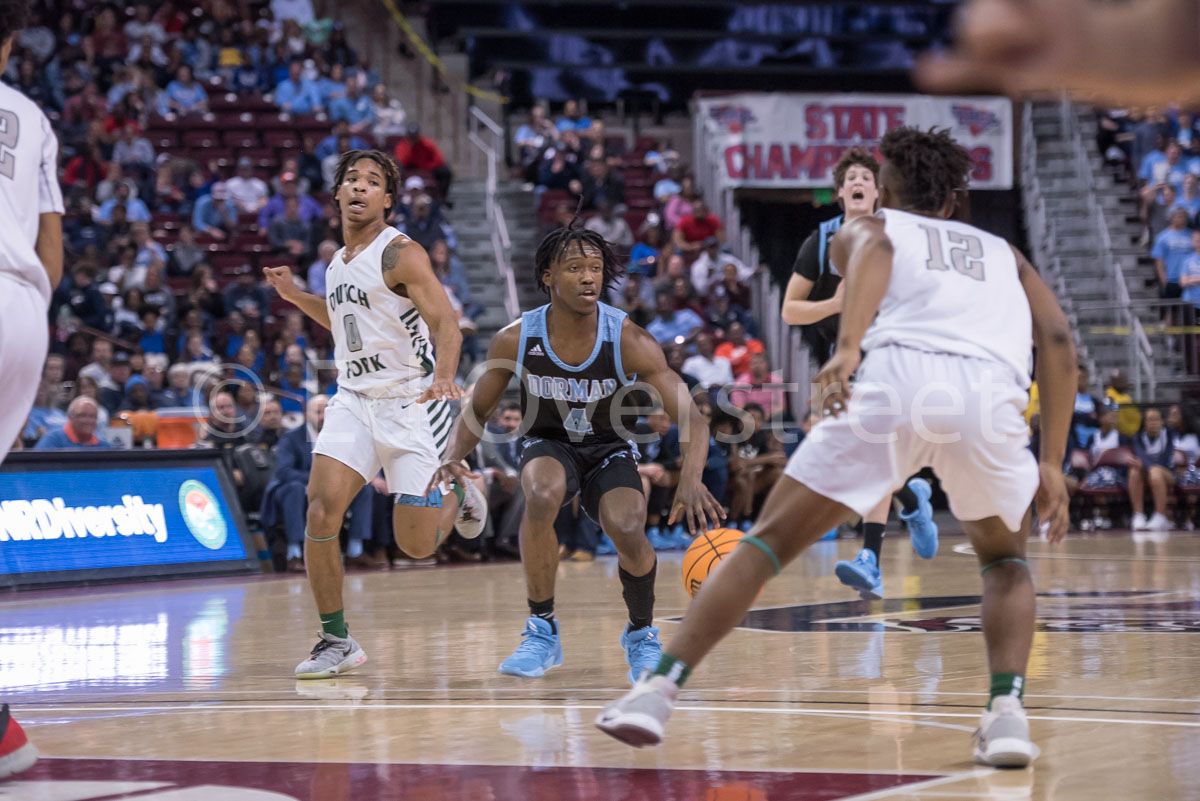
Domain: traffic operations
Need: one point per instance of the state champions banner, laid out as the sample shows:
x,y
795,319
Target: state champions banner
x,y
788,141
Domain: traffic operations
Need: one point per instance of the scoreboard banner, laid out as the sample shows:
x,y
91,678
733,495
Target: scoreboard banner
x,y
72,516
787,141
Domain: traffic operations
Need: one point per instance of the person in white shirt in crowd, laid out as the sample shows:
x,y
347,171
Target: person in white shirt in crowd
x,y
610,223
101,363
708,368
709,266
142,25
389,114
248,192
299,10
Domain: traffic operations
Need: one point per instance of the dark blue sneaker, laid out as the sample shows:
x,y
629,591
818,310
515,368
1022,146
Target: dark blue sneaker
x,y
642,650
605,546
862,574
539,650
922,531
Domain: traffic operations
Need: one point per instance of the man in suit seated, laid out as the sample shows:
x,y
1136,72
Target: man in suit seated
x,y
286,500
500,461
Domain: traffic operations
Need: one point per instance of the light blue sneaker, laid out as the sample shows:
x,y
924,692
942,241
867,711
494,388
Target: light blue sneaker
x,y
540,650
745,526
680,539
658,540
922,531
643,649
605,546
862,574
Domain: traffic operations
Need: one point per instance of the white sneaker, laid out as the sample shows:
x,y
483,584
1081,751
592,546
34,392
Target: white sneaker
x,y
332,656
1159,522
1002,739
1139,521
638,717
472,512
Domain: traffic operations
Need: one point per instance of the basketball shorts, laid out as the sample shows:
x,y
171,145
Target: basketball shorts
x,y
592,470
24,339
911,409
403,437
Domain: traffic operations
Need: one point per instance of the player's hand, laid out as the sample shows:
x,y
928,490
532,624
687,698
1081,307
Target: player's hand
x,y
1053,503
834,381
694,502
449,473
280,278
441,389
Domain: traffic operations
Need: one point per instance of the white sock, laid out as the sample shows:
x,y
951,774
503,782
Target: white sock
x,y
295,551
354,548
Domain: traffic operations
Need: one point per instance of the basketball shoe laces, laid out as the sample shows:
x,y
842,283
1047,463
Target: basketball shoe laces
x,y
638,648
322,646
535,642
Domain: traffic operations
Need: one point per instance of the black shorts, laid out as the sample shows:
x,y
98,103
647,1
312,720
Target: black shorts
x,y
592,470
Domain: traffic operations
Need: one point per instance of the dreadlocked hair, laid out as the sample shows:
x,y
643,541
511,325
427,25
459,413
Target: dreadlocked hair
x,y
391,174
14,15
933,166
557,244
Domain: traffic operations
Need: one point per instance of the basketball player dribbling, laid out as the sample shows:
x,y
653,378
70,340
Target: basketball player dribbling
x,y
814,299
381,302
937,303
31,263
576,359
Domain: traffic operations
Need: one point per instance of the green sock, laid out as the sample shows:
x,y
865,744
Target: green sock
x,y
335,623
673,669
459,492
1007,684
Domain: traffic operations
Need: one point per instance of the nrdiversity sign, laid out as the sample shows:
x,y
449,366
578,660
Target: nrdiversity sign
x,y
780,140
100,517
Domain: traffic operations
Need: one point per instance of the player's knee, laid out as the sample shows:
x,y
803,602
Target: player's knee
x,y
544,500
626,524
320,516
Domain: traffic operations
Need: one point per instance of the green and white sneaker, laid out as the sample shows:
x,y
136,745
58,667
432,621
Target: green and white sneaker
x,y
1002,739
472,512
639,717
331,656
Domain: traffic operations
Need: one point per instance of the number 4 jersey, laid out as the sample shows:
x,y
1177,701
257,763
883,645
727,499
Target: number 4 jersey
x,y
954,289
379,338
28,186
581,404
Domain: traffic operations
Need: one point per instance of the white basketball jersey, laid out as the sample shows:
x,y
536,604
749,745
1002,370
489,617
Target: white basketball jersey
x,y
380,342
28,185
954,289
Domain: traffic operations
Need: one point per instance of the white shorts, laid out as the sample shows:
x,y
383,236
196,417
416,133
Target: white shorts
x,y
911,409
24,339
402,436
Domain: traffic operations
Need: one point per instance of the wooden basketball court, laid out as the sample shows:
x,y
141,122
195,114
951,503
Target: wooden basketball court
x,y
184,690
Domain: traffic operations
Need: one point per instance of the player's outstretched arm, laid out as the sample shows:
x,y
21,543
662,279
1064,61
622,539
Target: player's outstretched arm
x,y
864,247
1141,52
1057,383
479,408
280,278
641,354
406,265
799,310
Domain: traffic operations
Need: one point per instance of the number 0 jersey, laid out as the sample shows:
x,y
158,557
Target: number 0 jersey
x,y
380,343
954,289
583,404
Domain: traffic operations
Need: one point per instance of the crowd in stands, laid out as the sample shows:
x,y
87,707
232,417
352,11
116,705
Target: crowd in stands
x,y
198,145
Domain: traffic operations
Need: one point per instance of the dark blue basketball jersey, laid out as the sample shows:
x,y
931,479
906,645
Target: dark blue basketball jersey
x,y
575,404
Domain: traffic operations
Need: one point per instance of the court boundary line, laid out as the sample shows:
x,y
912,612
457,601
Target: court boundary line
x,y
919,787
331,707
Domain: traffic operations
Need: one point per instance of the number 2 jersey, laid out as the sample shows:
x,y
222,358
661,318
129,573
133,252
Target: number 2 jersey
x,y
28,186
582,405
380,343
954,289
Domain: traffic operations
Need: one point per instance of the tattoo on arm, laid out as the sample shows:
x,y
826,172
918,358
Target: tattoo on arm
x,y
391,254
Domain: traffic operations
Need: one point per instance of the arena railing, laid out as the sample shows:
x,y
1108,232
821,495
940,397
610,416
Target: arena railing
x,y
480,129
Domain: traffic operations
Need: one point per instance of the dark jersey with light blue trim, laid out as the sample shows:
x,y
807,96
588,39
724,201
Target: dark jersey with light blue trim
x,y
581,405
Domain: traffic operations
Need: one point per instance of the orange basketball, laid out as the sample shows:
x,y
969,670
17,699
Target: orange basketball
x,y
705,553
